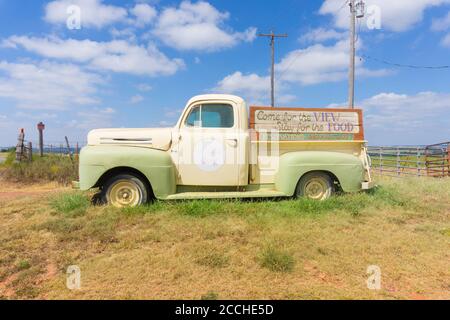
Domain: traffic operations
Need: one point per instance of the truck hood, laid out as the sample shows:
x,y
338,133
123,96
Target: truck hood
x,y
160,138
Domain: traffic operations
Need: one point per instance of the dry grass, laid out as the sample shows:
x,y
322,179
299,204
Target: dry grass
x,y
230,249
49,168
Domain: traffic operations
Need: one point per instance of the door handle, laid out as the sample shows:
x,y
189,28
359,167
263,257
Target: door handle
x,y
233,141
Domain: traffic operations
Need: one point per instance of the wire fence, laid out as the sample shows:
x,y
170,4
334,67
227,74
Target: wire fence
x,y
25,149
420,161
395,161
58,148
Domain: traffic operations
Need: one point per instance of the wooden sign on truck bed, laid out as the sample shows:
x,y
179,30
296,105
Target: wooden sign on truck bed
x,y
306,124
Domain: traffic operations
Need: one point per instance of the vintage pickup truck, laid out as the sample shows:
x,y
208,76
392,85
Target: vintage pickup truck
x,y
217,151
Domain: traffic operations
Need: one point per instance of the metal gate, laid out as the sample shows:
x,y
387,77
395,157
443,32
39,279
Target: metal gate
x,y
421,161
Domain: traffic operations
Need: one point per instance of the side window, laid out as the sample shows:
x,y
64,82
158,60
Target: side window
x,y
211,116
193,120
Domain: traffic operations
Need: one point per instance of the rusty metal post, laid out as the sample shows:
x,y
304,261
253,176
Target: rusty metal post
x,y
41,128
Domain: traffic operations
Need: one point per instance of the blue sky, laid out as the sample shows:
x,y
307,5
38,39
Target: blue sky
x,y
136,63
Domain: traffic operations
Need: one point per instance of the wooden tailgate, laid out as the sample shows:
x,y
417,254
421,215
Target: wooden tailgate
x,y
307,124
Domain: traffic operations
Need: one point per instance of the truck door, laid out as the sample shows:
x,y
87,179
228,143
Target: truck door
x,y
208,145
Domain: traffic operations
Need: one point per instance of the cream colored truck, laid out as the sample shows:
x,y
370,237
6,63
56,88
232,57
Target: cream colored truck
x,y
217,151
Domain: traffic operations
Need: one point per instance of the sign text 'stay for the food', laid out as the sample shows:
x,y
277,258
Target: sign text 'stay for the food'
x,y
304,124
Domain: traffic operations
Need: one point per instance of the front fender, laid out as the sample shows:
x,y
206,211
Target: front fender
x,y
155,165
347,168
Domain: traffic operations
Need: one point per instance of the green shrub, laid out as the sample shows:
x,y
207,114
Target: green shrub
x,y
103,227
23,265
213,259
71,204
277,260
200,208
210,296
48,168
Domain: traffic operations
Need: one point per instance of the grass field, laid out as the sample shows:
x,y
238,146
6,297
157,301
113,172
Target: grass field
x,y
49,168
230,249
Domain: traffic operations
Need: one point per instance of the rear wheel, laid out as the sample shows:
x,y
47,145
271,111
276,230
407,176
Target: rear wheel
x,y
125,190
315,186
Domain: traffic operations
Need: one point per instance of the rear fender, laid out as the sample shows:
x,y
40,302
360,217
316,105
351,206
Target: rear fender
x,y
347,168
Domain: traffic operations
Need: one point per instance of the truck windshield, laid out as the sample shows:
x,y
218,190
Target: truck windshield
x,y
211,116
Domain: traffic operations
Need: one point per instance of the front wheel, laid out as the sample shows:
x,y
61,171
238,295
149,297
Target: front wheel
x,y
124,190
315,186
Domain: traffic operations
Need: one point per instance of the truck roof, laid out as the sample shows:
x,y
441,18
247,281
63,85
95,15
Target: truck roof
x,y
217,96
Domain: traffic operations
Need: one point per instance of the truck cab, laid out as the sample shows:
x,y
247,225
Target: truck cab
x,y
217,151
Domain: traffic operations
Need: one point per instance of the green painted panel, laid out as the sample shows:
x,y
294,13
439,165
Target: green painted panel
x,y
346,167
156,165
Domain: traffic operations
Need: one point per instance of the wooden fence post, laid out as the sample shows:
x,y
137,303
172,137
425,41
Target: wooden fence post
x,y
77,152
41,128
381,161
30,152
20,145
398,161
448,159
68,148
418,162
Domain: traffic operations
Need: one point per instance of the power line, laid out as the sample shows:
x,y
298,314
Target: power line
x,y
343,5
298,53
404,65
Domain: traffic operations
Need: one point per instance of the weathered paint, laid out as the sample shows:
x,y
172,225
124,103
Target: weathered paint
x,y
293,165
344,158
155,165
296,124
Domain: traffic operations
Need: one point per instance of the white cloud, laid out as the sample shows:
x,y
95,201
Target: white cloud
x,y
144,14
446,41
441,24
405,119
397,16
322,35
93,119
253,87
126,33
408,113
116,55
319,63
47,85
198,26
94,13
108,111
144,87
172,112
136,99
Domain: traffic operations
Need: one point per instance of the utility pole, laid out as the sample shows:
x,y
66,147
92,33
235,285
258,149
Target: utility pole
x,y
272,37
356,11
351,72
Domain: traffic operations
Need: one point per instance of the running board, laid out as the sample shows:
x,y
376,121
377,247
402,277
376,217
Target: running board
x,y
226,195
